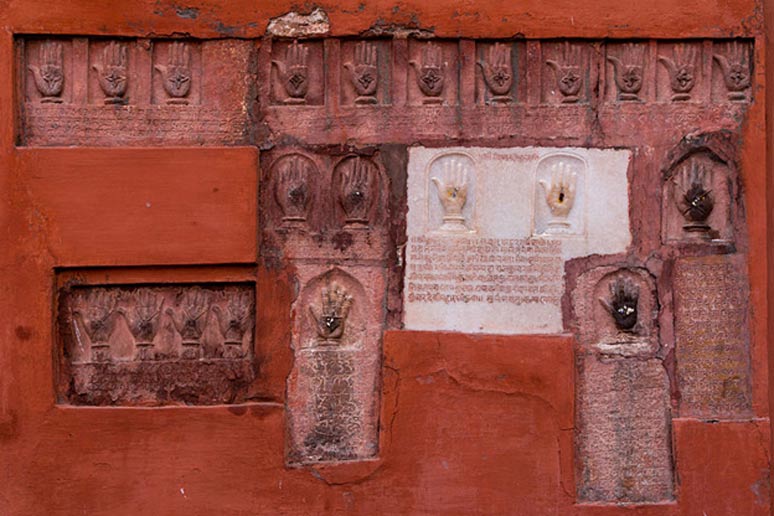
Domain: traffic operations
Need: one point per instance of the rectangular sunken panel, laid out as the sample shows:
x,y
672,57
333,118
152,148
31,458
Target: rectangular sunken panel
x,y
113,91
155,344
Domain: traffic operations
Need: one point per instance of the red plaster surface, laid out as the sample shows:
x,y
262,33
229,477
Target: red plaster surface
x,y
469,425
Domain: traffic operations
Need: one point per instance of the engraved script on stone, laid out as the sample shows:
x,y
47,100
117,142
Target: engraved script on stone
x,y
489,231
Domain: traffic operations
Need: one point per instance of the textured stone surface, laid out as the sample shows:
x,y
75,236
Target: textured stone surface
x,y
711,337
489,231
623,439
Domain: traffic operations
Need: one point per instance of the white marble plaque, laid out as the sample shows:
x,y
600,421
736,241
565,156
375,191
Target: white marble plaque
x,y
489,231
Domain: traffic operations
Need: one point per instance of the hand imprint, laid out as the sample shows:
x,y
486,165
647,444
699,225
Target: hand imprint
x,y
498,70
95,311
682,73
177,73
693,195
190,322
629,71
430,72
294,72
453,193
568,72
330,321
560,193
623,303
112,72
736,69
49,76
363,72
144,313
356,192
291,189
234,320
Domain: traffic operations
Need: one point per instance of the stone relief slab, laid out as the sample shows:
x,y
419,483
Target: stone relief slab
x,y
489,231
156,345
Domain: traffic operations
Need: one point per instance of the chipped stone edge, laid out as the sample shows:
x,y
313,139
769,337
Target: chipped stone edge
x,y
295,25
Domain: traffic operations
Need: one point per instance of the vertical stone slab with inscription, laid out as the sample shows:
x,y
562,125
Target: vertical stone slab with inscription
x,y
489,231
711,337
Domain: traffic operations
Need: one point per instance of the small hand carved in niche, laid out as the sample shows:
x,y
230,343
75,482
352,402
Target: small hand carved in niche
x,y
235,320
498,72
735,63
693,195
95,311
176,74
291,189
143,317
682,70
560,195
622,305
294,73
112,72
453,194
629,70
356,190
364,73
568,72
430,73
49,73
190,319
329,319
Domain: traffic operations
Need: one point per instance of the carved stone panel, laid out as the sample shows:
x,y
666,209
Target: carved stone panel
x,y
623,437
711,337
117,91
489,231
432,74
297,76
155,345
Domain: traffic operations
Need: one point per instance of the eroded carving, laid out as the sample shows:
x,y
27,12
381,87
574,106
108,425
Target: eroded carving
x,y
498,72
292,189
294,73
112,72
364,73
49,72
356,179
682,70
430,73
176,74
735,63
452,190
693,195
568,72
121,346
629,71
331,316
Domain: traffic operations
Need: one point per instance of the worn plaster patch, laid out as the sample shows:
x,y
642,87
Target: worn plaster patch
x,y
295,25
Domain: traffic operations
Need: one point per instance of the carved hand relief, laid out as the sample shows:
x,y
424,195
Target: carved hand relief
x,y
363,72
735,63
176,74
629,70
293,174
622,303
122,345
452,185
683,69
497,69
112,72
567,70
294,72
356,179
430,73
559,210
693,195
48,73
330,317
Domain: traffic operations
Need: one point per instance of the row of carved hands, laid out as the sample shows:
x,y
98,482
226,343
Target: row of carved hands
x,y
356,187
112,71
96,310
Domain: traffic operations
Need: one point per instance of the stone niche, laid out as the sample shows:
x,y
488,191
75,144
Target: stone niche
x,y
490,229
155,344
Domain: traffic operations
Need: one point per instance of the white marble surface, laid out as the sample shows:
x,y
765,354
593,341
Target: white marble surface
x,y
499,278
